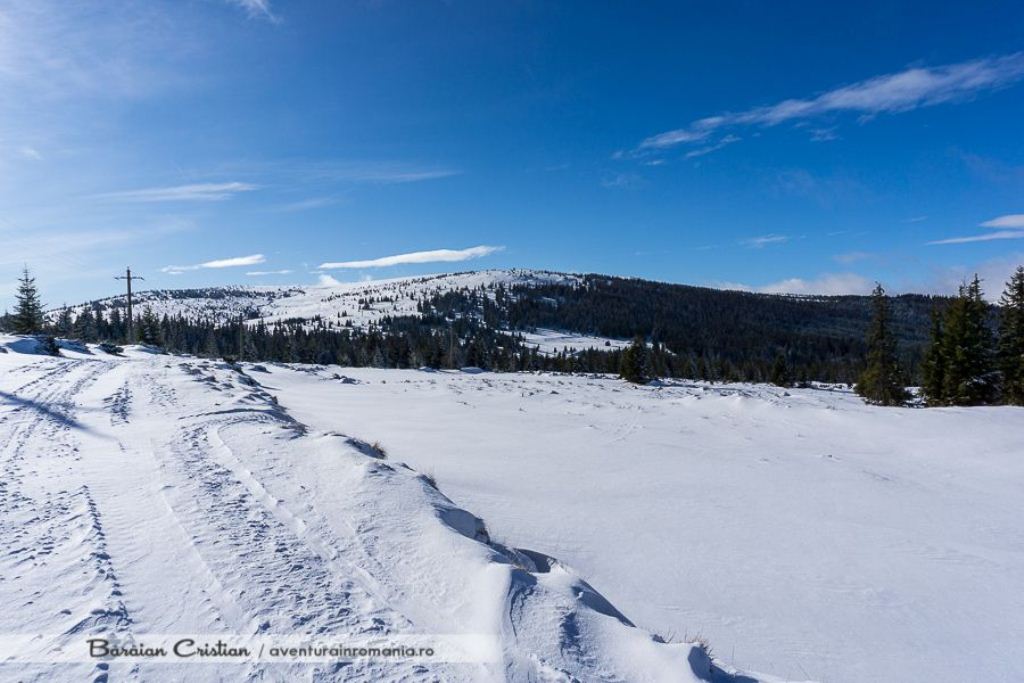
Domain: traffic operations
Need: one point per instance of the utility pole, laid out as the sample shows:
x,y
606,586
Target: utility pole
x,y
128,277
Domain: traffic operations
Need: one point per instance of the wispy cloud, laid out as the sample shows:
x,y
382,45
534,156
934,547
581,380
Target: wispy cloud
x,y
69,249
622,180
829,284
1012,228
764,241
233,262
199,192
308,204
433,256
701,151
58,50
852,256
257,9
823,134
891,93
370,172
256,273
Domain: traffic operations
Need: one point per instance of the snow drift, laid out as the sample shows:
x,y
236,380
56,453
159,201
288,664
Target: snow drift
x,y
151,494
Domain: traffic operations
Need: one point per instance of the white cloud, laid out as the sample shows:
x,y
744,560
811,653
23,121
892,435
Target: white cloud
x,y
1014,230
233,262
326,280
256,8
902,91
255,273
371,172
764,241
1015,220
994,274
434,256
829,284
987,237
308,204
204,192
701,151
31,153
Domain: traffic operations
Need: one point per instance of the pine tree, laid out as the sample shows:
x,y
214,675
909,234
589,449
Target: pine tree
x,y
633,362
1011,339
85,326
780,375
882,380
149,328
933,367
970,377
65,324
28,318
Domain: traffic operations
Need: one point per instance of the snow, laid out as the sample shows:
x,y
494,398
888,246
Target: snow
x,y
153,494
336,303
799,531
552,342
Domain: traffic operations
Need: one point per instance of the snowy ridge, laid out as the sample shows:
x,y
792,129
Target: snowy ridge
x,y
161,494
390,297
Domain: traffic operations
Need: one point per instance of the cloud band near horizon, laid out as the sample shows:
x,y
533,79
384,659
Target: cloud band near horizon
x,y
431,256
233,262
1011,227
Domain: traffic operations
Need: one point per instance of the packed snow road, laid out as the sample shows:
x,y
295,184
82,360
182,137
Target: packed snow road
x,y
156,495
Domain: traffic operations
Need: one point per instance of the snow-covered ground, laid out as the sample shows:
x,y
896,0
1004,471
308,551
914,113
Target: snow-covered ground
x,y
800,532
153,494
552,341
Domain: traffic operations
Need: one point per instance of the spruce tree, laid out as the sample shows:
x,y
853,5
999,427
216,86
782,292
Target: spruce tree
x,y
149,328
1011,339
780,375
882,379
65,323
633,362
933,367
970,377
28,318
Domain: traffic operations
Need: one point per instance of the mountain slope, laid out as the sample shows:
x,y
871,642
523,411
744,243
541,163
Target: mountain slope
x,y
499,317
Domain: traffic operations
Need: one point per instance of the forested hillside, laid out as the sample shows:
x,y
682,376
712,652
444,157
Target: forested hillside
x,y
491,319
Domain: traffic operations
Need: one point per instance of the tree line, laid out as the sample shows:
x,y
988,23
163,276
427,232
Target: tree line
x,y
972,357
974,353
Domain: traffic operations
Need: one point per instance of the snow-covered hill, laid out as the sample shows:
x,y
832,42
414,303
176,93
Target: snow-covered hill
x,y
154,494
355,304
359,302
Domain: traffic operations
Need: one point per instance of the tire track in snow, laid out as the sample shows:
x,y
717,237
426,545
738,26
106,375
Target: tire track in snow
x,y
60,564
263,558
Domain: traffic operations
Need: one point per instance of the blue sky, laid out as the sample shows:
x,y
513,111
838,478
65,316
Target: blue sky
x,y
799,147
